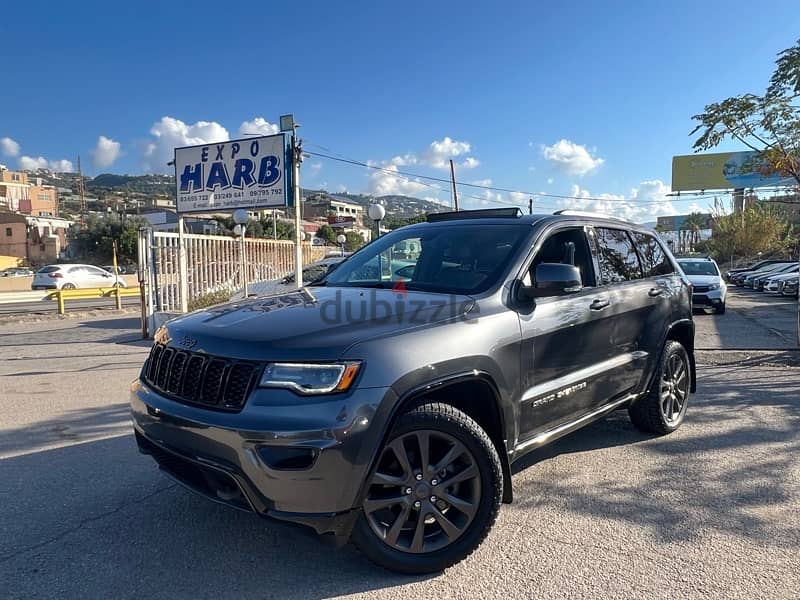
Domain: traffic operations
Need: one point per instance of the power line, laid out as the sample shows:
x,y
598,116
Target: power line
x,y
415,177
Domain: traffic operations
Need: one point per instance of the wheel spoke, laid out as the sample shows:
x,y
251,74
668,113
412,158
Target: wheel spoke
x,y
678,373
373,504
417,542
452,454
394,532
424,442
449,529
379,478
463,506
468,473
402,457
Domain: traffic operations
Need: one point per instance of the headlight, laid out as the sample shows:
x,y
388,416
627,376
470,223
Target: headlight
x,y
310,378
713,286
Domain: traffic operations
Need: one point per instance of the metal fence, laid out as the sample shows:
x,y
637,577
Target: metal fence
x,y
213,265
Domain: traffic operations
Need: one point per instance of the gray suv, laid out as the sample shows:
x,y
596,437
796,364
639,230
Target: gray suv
x,y
386,402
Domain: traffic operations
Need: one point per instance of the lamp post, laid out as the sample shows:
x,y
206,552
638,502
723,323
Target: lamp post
x,y
241,218
376,212
341,238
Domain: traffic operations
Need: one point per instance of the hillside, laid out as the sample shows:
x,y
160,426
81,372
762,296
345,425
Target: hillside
x,y
143,184
396,206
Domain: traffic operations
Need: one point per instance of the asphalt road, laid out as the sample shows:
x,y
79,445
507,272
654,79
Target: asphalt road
x,y
39,307
708,512
752,321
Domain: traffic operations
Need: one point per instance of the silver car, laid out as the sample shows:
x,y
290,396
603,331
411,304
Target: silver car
x,y
71,277
708,287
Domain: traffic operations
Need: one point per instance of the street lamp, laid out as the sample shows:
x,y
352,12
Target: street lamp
x,y
376,212
341,238
241,218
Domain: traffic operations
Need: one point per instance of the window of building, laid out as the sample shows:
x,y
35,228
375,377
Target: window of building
x,y
655,261
15,177
617,256
9,232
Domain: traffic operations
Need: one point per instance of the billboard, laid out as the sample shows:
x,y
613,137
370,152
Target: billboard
x,y
224,176
723,170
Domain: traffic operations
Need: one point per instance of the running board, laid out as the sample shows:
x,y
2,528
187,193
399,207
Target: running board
x,y
552,434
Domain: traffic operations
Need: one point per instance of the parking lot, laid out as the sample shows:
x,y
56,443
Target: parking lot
x,y
608,512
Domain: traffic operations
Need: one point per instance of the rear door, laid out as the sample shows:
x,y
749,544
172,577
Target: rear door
x,y
633,300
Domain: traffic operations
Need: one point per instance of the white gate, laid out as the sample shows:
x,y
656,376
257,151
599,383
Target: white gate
x,y
213,269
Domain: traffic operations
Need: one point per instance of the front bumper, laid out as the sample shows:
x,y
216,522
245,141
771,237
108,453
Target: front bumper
x,y
282,456
713,298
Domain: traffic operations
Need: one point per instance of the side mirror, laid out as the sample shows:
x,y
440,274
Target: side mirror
x,y
557,279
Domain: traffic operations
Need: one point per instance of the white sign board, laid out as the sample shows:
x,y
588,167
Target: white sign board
x,y
224,176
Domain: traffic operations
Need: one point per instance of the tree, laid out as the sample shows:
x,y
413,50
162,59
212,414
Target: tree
x,y
354,241
96,241
284,229
327,233
768,124
693,224
759,228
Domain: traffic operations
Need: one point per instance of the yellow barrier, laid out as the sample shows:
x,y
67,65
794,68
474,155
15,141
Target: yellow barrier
x,y
91,293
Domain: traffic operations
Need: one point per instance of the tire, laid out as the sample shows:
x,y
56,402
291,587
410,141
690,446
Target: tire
x,y
656,411
68,286
720,310
463,469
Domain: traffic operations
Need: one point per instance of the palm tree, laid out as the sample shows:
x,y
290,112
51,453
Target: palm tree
x,y
693,224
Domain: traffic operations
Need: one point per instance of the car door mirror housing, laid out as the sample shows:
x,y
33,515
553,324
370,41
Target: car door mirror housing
x,y
556,279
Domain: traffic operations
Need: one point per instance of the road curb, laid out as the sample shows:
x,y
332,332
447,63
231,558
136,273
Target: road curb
x,y
748,358
70,316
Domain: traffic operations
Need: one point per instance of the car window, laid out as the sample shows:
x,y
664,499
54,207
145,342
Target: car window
x,y
655,261
697,267
50,269
617,256
77,270
569,247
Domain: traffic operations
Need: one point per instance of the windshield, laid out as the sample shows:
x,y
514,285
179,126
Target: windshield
x,y
457,259
693,267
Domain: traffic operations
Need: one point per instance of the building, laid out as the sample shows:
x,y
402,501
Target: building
x,y
35,240
675,222
42,201
14,189
321,206
167,220
13,235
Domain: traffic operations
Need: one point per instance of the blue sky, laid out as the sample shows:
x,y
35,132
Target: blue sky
x,y
581,98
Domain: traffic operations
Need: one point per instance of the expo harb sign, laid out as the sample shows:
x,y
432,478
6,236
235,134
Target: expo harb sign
x,y
248,173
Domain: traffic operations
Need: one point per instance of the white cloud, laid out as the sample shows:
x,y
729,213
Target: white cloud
x,y
404,160
31,163
170,133
645,202
481,182
9,147
549,181
259,126
341,188
384,183
571,158
315,167
440,152
105,152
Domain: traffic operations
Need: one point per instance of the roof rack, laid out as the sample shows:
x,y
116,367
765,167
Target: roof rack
x,y
483,213
584,213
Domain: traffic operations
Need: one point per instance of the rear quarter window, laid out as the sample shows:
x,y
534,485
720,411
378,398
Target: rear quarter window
x,y
48,269
617,256
655,261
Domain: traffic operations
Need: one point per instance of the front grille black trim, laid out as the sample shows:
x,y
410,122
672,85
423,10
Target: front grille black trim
x,y
200,379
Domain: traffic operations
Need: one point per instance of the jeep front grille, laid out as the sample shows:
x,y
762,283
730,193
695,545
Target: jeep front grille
x,y
200,379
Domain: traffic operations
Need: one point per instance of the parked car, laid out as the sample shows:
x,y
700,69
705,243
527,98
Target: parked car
x,y
775,283
754,280
708,287
754,267
110,269
17,272
790,287
70,277
389,408
739,278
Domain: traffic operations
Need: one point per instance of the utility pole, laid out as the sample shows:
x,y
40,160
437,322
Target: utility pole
x,y
453,181
82,196
530,206
297,158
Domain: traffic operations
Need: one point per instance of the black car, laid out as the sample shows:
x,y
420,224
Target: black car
x,y
386,402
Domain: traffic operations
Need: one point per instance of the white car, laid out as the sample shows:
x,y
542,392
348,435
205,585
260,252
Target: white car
x,y
708,287
774,284
71,277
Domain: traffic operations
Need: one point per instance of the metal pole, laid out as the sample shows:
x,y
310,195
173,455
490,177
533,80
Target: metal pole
x,y
298,240
530,206
244,261
182,268
274,226
453,181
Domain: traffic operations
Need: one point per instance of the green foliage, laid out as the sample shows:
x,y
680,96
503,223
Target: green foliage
x,y
210,299
759,228
354,241
95,242
327,233
769,124
397,222
285,229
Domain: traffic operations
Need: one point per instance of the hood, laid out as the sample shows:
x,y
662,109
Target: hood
x,y
317,323
704,279
784,277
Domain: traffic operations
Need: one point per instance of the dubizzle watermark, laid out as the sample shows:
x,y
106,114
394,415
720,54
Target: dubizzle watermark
x,y
372,307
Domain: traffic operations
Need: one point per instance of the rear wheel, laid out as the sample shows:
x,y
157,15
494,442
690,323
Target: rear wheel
x,y
434,494
663,409
68,286
720,310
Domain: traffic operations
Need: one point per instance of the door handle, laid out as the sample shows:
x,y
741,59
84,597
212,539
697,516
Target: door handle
x,y
599,304
655,292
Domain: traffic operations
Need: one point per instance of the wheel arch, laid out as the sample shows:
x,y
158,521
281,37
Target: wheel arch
x,y
682,331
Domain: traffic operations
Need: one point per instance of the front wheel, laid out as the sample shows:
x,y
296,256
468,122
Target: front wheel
x,y
68,286
434,494
720,310
663,408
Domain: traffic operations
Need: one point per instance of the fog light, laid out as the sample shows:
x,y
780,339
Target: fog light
x,y
288,458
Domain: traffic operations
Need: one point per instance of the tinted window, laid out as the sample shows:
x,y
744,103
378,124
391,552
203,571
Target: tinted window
x,y
655,261
617,256
567,247
695,267
51,269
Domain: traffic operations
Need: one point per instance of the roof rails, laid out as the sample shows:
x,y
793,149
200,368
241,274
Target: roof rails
x,y
583,213
483,213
